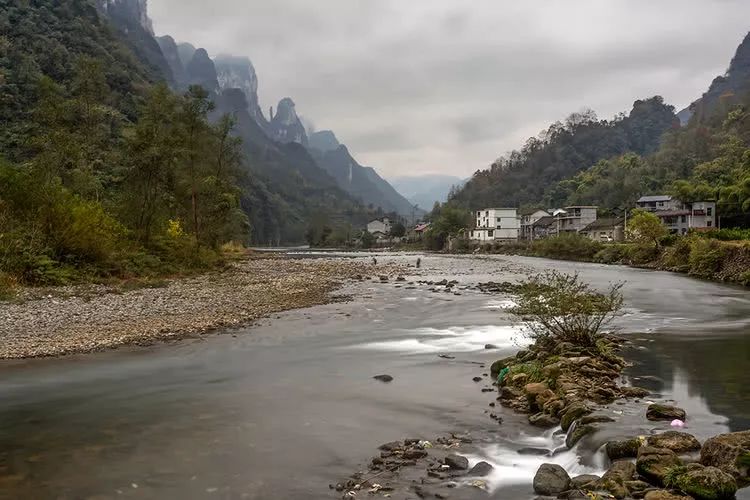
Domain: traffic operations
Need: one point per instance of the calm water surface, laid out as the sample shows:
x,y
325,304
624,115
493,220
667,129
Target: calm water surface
x,y
282,409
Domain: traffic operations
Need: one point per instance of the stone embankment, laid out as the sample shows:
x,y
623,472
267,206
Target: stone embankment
x,y
80,319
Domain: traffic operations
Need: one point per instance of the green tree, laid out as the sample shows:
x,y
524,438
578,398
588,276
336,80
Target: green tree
x,y
645,228
398,230
558,307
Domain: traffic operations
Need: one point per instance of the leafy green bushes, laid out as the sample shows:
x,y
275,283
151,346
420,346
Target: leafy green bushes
x,y
706,257
733,234
568,246
614,253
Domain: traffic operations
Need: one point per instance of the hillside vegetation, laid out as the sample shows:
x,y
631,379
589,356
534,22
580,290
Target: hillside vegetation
x,y
105,172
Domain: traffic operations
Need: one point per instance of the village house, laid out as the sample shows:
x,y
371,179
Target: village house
x,y
543,228
680,217
417,232
496,224
528,218
606,230
574,218
380,228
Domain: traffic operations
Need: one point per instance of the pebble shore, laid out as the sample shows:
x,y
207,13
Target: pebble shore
x,y
81,319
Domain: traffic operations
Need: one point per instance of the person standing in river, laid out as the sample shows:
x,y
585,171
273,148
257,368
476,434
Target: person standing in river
x,y
419,262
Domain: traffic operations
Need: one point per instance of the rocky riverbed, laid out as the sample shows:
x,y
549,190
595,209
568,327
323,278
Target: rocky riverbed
x,y
80,319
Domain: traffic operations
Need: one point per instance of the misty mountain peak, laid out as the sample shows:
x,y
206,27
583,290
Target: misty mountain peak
x,y
135,10
324,140
201,71
285,125
239,73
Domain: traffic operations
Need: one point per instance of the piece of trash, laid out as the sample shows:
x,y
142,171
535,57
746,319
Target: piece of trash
x,y
425,444
350,494
677,423
134,486
502,374
375,488
478,483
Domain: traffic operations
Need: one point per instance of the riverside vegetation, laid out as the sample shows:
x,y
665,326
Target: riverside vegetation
x,y
713,256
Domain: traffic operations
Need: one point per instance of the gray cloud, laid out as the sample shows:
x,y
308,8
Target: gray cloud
x,y
446,86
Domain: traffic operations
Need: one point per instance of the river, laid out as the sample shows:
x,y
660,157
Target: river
x,y
284,408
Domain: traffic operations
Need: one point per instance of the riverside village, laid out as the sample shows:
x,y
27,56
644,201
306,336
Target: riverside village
x,y
369,250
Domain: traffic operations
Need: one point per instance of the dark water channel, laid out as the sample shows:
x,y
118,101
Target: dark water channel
x,y
282,409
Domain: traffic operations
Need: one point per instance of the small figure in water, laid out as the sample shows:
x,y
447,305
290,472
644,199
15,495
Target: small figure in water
x,y
419,262
374,261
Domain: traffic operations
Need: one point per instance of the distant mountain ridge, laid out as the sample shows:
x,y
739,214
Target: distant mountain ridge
x,y
425,190
726,90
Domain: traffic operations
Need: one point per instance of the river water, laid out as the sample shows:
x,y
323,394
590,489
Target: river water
x,y
284,408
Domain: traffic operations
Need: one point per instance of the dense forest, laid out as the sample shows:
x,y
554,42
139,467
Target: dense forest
x,y
612,163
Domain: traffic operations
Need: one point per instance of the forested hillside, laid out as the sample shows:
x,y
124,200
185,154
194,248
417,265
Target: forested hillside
x,y
525,176
613,163
105,172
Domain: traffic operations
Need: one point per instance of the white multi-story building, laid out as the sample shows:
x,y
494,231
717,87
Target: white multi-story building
x,y
496,224
679,216
573,219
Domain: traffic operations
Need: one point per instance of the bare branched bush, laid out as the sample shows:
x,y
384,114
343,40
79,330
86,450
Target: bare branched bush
x,y
558,307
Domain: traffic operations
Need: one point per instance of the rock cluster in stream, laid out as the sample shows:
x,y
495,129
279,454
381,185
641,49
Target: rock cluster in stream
x,y
416,468
563,387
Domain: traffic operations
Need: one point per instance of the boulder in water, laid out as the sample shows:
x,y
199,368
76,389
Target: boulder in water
x,y
457,462
665,412
678,442
383,378
730,453
543,420
573,412
551,479
653,463
627,448
480,469
707,483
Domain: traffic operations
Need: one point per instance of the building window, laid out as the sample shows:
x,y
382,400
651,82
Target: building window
x,y
487,213
708,223
498,219
709,211
490,233
684,219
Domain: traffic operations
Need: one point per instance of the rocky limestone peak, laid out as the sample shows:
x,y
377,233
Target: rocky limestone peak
x,y
324,140
169,49
239,73
201,71
135,10
285,125
185,51
286,113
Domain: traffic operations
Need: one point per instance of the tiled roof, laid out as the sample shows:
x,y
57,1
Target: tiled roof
x,y
604,223
656,197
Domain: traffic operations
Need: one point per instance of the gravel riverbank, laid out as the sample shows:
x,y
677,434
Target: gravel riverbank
x,y
82,319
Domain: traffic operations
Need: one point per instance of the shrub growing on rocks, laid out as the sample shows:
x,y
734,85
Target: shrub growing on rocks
x,y
561,308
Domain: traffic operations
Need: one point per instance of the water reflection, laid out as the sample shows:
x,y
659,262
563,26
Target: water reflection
x,y
712,368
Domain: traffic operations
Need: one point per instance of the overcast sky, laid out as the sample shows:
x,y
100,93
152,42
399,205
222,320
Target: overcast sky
x,y
446,86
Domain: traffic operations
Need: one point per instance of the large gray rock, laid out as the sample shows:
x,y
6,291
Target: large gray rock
x,y
653,463
457,462
572,413
480,469
665,412
627,448
730,453
707,483
551,479
678,442
615,479
543,420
